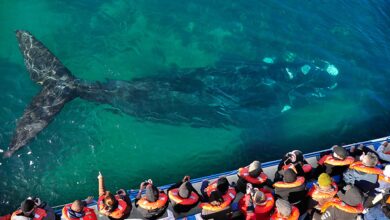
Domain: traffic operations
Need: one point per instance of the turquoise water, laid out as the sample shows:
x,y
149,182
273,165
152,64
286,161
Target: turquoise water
x,y
124,40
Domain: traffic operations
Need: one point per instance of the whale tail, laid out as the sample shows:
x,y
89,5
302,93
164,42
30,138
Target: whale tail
x,y
58,88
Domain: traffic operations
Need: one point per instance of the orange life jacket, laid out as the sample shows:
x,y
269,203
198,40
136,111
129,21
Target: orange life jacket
x,y
388,200
335,162
383,178
293,216
174,196
266,207
228,197
39,213
244,173
358,166
161,202
213,186
89,213
118,212
317,194
5,217
305,167
300,180
336,202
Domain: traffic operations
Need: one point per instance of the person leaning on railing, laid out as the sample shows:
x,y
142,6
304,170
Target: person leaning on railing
x,y
335,163
253,174
78,210
153,203
183,195
33,209
364,174
113,206
293,160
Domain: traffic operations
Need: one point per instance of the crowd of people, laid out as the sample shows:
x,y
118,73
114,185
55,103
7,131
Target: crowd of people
x,y
345,185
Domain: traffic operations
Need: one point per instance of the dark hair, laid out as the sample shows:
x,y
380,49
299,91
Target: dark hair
x,y
222,185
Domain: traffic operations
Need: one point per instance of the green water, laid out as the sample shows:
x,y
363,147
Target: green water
x,y
122,39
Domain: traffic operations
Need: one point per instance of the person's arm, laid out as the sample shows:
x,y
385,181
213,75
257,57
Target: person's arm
x,y
102,188
381,154
142,186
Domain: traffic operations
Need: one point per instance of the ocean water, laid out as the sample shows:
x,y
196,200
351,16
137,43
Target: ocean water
x,y
121,39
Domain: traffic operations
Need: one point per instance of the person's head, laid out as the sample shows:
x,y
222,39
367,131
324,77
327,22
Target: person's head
x,y
109,201
215,198
258,197
289,176
369,159
222,185
151,193
284,208
184,190
76,209
324,181
27,207
255,169
339,152
352,196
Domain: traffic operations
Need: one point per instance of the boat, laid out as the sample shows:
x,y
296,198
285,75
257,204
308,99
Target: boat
x,y
268,167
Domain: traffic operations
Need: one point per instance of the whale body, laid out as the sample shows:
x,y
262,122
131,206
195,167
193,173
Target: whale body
x,y
200,97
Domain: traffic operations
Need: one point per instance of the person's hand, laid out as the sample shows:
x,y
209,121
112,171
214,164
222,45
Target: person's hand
x,y
186,178
352,149
248,188
100,175
37,201
150,181
89,199
143,185
385,143
347,187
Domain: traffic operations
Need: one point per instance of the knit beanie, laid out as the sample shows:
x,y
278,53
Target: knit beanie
x,y
151,193
259,197
324,180
184,191
340,151
289,176
222,185
284,208
352,196
255,169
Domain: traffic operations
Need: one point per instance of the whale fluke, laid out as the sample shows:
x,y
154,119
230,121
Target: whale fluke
x,y
58,87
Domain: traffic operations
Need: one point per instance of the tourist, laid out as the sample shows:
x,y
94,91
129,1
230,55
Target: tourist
x,y
285,211
153,203
252,174
336,163
347,207
183,196
256,204
78,210
292,189
295,161
383,152
364,175
320,193
33,209
218,196
116,206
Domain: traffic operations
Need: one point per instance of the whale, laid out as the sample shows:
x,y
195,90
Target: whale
x,y
221,95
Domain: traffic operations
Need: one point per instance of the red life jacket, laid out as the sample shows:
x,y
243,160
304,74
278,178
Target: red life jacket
x,y
383,178
89,213
244,173
300,180
262,211
336,162
161,202
358,166
305,167
174,196
39,213
228,197
119,212
5,217
213,186
317,194
337,203
293,216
